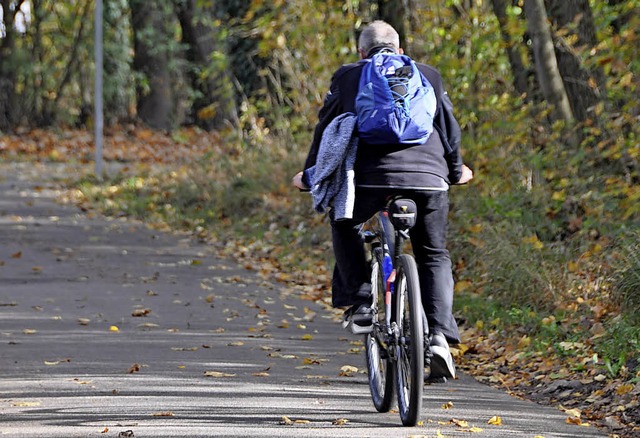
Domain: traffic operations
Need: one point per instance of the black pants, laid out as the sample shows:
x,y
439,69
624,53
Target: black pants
x,y
428,239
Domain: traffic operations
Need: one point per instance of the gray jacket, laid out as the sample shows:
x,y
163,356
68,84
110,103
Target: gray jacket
x,y
332,176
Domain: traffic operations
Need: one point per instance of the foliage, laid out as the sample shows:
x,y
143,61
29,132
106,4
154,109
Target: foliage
x,y
626,281
117,65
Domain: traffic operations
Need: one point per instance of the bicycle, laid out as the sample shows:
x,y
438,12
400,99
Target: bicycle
x,y
395,346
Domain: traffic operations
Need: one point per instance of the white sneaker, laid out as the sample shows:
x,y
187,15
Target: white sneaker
x,y
442,362
358,319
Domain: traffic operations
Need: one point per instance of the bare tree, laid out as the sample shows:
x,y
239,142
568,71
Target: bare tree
x,y
214,104
518,69
574,21
151,33
547,70
396,14
8,65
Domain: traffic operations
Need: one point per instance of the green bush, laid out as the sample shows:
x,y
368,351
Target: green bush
x,y
626,284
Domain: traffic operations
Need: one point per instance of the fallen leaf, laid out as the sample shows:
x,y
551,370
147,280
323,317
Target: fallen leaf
x,y
347,371
624,389
163,414
56,362
286,420
29,331
184,348
218,374
261,374
459,423
235,344
447,405
25,404
114,328
84,321
495,420
140,312
105,430
339,421
16,255
577,421
134,368
573,412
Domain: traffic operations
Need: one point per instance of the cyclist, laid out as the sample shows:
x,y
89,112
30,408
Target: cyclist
x,y
421,172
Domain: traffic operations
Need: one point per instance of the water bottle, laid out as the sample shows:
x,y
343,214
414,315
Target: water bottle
x,y
387,268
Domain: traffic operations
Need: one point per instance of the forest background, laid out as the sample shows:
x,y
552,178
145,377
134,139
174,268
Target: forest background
x,y
210,106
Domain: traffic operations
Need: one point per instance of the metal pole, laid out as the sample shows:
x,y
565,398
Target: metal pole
x,y
98,110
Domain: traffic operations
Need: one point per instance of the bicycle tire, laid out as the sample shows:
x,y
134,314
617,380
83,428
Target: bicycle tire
x,y
409,370
379,366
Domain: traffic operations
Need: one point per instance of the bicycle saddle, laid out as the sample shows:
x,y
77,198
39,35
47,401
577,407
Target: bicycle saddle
x,y
402,213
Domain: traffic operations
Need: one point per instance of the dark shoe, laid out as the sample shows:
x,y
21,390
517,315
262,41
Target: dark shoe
x,y
358,319
441,361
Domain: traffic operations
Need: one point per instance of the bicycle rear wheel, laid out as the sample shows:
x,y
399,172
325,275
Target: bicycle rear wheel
x,y
410,364
379,367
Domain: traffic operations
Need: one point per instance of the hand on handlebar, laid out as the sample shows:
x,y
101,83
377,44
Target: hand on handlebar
x,y
297,182
467,175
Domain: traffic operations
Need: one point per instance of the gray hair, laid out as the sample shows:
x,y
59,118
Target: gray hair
x,y
378,34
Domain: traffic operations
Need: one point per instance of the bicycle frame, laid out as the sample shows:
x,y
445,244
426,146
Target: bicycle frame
x,y
394,347
391,242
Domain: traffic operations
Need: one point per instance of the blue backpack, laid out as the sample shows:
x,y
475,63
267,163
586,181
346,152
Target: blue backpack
x,y
395,103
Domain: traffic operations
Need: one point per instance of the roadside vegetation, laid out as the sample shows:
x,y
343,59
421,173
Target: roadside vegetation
x,y
545,240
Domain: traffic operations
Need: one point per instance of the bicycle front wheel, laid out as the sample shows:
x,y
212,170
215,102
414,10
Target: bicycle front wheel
x,y
379,367
410,354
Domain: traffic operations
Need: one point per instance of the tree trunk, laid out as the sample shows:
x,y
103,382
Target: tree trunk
x,y
584,88
546,63
117,61
214,105
151,35
395,13
8,66
519,71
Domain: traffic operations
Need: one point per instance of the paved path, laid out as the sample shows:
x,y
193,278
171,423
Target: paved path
x,y
76,362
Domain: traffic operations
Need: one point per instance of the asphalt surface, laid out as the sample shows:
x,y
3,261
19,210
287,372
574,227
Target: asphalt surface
x,y
111,329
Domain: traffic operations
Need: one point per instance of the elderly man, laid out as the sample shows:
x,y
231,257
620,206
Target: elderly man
x,y
422,172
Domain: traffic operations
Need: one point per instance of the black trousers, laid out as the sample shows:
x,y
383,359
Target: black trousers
x,y
428,239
